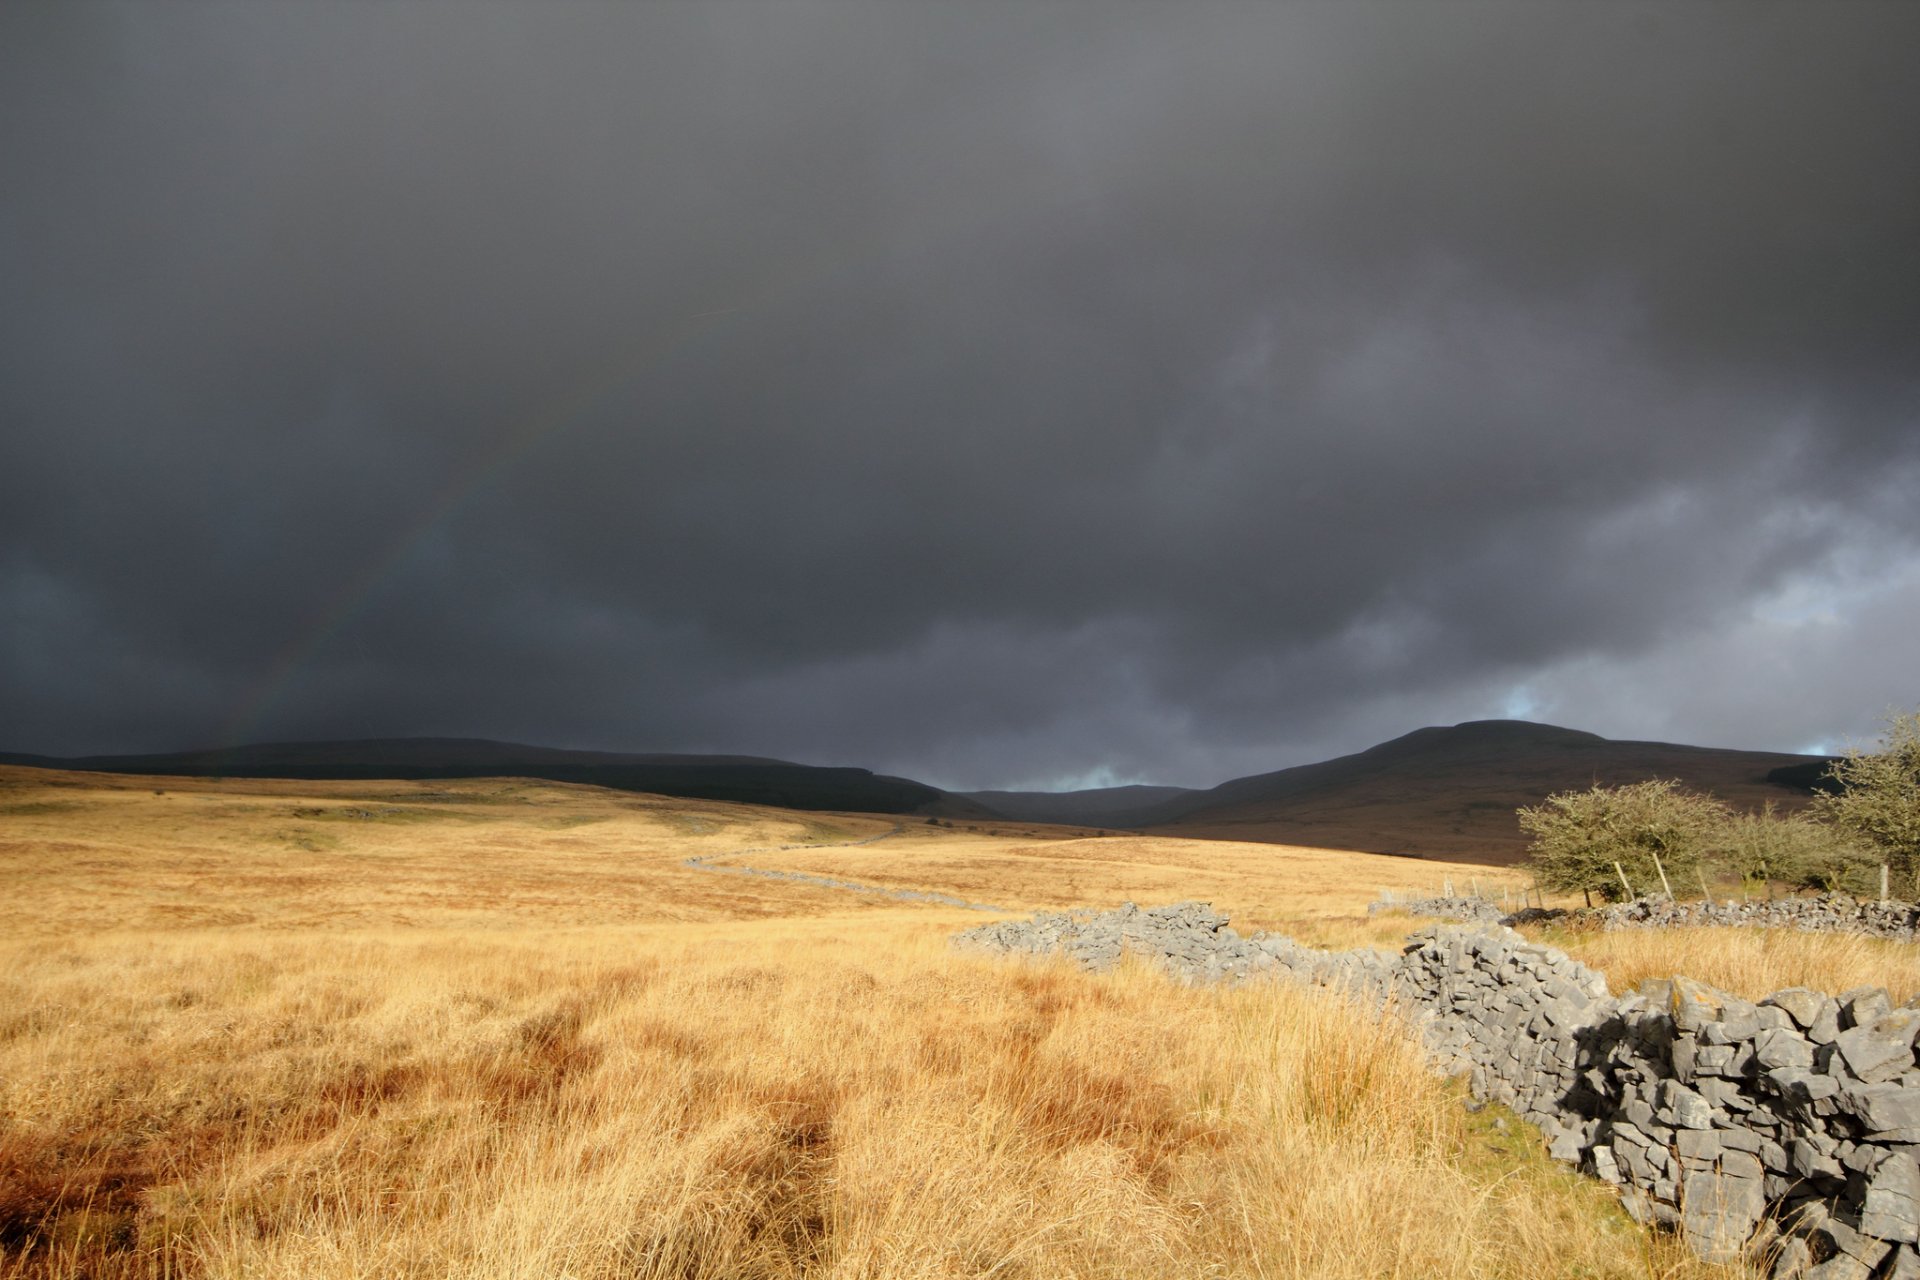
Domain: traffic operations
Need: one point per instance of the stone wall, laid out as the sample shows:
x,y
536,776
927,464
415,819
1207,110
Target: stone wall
x,y
1833,913
1789,1126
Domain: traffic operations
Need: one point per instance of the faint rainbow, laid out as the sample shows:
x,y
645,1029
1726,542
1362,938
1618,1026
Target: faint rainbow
x,y
346,603
633,360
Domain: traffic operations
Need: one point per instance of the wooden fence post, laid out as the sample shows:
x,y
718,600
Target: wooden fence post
x,y
1624,884
1663,874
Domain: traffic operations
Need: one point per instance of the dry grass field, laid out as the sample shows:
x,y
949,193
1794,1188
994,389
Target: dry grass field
x,y
500,1029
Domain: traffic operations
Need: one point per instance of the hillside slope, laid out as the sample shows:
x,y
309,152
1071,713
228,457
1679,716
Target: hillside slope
x,y
1452,792
740,779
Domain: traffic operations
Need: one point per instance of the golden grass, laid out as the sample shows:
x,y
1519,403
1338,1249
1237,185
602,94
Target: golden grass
x,y
816,1097
500,1029
1289,888
1747,962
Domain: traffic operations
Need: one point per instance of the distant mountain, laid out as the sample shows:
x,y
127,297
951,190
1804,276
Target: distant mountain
x,y
1438,792
1096,807
742,779
1452,792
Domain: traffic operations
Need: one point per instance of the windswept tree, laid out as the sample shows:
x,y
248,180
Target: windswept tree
x,y
1580,836
1800,849
1878,798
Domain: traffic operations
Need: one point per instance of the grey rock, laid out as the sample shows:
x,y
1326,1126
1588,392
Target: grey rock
x,y
1877,1052
1885,1106
1692,1005
1698,1144
1801,1085
1685,1108
1864,1005
1780,1048
1890,1211
1845,1234
1739,1021
1811,1160
1799,1003
1792,1261
1718,1213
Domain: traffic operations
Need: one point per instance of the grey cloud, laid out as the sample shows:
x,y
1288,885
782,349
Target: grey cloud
x,y
993,396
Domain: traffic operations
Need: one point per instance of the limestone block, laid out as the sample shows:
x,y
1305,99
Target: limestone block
x,y
1698,1144
1712,1059
1692,1005
1723,1095
1782,1048
1884,1106
1739,1021
1684,1056
1809,1161
1605,1167
1793,1260
1843,1231
1839,1267
1801,1085
1879,1051
1718,1213
1683,1108
1890,1211
1863,1006
1773,1019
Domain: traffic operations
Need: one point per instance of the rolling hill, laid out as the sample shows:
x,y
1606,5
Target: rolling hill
x,y
742,779
1452,792
1436,792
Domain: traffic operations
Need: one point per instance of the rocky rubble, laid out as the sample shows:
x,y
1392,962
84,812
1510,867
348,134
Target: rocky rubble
x,y
1190,940
1833,913
1468,910
1789,1126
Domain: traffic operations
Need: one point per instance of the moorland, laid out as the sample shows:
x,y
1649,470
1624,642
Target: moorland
x,y
503,1027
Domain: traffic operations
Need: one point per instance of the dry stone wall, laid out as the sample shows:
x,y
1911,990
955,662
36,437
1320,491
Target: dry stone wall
x,y
1789,1126
1833,913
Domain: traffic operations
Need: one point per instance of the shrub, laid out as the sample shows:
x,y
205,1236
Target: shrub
x,y
1799,849
1578,836
1879,798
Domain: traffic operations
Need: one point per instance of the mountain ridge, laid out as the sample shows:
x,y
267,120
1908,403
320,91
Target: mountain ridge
x,y
1451,791
1447,791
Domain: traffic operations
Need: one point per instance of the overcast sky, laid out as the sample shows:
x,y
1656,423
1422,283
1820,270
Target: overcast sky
x,y
993,394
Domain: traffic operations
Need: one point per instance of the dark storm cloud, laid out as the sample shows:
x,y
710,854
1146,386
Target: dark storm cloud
x,y
995,396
